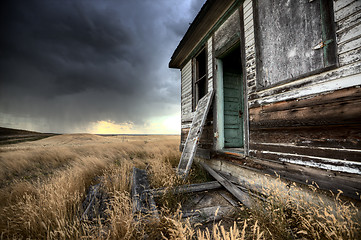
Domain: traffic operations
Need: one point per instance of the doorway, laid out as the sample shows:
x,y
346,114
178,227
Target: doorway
x,y
232,98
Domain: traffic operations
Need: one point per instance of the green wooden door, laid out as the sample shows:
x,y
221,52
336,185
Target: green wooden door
x,y
233,110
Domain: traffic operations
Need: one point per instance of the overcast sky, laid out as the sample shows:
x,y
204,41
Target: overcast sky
x,y
91,65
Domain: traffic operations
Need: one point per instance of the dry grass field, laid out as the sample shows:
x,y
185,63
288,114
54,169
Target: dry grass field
x,y
43,184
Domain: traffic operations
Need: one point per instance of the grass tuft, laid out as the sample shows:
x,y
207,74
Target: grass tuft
x,y
43,185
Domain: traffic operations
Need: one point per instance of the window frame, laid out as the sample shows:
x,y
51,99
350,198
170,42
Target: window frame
x,y
196,79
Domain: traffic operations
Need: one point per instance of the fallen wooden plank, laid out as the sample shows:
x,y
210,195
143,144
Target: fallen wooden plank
x,y
208,214
92,196
256,188
229,199
242,196
190,188
143,201
194,135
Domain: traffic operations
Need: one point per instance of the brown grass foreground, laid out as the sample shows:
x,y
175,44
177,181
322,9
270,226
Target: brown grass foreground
x,y
43,184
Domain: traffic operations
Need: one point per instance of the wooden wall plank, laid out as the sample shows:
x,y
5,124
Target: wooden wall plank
x,y
348,22
334,108
210,63
210,57
350,33
334,165
343,77
247,6
350,57
352,156
188,117
250,53
347,10
338,136
186,91
347,46
342,95
342,3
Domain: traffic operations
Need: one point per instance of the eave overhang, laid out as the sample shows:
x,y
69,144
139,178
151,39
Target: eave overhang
x,y
204,23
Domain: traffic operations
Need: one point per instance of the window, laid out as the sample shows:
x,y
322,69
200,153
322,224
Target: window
x,y
294,39
199,77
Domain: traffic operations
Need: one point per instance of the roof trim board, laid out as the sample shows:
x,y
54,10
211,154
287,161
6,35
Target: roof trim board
x,y
208,20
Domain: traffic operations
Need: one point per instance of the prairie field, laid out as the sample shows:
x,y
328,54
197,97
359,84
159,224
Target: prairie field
x,y
43,184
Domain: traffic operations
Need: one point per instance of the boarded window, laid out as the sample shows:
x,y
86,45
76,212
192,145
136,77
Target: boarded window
x,y
287,33
200,77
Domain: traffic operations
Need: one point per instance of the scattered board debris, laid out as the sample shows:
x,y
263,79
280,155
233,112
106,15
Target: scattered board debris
x,y
208,214
189,188
95,204
242,196
143,201
91,198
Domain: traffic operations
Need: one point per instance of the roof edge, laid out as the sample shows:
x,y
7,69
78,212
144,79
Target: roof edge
x,y
191,29
176,60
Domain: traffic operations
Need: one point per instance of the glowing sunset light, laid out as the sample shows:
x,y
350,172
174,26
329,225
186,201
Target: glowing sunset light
x,y
162,125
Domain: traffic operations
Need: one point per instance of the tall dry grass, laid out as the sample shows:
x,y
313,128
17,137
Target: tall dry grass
x,y
43,184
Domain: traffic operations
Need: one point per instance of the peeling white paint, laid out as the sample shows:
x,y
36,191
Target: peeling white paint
x,y
347,166
322,166
309,147
325,160
187,125
332,85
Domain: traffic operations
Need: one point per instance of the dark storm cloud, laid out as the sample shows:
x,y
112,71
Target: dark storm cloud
x,y
80,61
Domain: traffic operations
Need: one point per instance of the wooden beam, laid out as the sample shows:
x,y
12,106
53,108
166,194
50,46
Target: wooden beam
x,y
190,188
143,201
92,196
228,199
208,214
256,188
242,196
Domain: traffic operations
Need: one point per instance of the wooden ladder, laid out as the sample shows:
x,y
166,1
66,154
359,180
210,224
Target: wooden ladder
x,y
194,134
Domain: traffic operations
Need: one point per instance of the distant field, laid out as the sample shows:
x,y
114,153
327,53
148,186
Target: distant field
x,y
12,136
44,182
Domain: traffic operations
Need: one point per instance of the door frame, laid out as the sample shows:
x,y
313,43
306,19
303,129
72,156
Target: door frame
x,y
219,101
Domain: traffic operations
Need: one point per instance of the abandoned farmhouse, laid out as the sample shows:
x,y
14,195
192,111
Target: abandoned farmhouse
x,y
274,87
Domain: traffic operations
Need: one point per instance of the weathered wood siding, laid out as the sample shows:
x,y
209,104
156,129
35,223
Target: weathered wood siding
x,y
307,128
314,121
206,141
210,63
186,107
348,31
250,46
186,100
